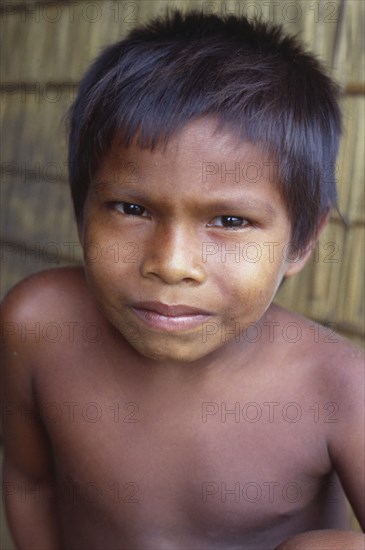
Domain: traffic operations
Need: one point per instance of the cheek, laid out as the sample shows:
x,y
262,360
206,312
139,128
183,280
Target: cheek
x,y
250,286
117,247
107,261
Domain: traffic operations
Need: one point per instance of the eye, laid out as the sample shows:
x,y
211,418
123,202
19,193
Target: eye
x,y
234,222
130,209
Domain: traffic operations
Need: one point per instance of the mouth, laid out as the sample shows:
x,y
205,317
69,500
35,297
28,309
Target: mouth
x,y
170,317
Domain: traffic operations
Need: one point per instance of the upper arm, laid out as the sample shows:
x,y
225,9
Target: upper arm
x,y
26,447
346,439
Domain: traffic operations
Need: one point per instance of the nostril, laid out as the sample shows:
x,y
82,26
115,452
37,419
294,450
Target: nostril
x,y
171,271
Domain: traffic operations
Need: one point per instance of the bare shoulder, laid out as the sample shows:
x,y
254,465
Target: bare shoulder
x,y
315,342
36,317
31,314
47,294
38,314
333,366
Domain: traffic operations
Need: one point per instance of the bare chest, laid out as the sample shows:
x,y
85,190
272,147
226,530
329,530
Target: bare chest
x,y
222,465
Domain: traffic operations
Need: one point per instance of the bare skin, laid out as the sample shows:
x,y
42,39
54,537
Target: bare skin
x,y
125,432
154,470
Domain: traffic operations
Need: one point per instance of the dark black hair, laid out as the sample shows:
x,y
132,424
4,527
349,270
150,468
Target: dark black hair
x,y
249,75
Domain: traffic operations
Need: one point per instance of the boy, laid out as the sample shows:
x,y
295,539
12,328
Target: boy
x,y
170,412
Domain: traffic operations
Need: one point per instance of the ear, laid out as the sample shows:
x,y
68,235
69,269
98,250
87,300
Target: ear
x,y
304,254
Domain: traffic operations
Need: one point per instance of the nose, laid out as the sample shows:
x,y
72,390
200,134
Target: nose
x,y
173,255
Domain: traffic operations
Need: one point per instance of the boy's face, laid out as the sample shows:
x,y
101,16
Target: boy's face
x,y
200,224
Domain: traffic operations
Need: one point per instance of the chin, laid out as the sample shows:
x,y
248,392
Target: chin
x,y
167,353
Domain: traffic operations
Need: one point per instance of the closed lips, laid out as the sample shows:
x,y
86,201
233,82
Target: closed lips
x,y
170,310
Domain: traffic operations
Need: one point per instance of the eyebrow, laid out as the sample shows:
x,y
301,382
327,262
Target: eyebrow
x,y
238,203
228,204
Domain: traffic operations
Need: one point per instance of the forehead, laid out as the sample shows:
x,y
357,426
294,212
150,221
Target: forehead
x,y
200,157
197,142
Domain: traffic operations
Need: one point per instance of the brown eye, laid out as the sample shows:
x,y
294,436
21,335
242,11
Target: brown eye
x,y
130,209
232,221
229,221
